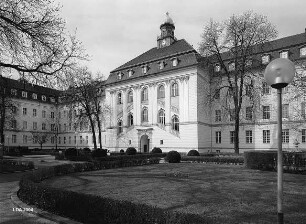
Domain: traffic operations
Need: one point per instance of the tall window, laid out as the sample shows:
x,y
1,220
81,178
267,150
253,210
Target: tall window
x,y
303,135
285,111
285,136
25,139
144,94
217,68
266,136
217,115
44,114
232,114
174,89
130,119
25,125
265,88
24,94
161,92
120,128
119,99
52,115
34,112
144,115
265,112
161,117
232,137
35,125
130,96
14,138
24,111
218,137
13,124
248,136
43,126
175,123
248,113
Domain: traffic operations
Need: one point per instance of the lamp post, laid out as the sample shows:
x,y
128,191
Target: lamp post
x,y
278,74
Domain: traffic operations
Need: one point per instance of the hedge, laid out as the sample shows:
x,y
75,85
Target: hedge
x,y
218,160
90,208
293,162
13,165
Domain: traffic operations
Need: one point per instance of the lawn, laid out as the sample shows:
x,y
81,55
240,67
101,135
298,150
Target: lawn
x,y
223,193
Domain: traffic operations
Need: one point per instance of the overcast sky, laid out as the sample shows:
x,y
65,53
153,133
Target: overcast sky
x,y
115,31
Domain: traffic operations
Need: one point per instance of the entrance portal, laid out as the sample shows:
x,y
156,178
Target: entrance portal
x,y
144,143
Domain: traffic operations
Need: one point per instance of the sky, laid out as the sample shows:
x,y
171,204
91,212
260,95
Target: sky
x,y
114,32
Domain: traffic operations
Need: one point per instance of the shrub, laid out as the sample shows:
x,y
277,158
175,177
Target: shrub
x,y
121,151
71,152
219,160
131,151
193,153
86,150
156,150
173,157
99,153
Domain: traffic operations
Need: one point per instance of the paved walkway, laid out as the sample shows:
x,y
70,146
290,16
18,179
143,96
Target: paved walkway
x,y
8,187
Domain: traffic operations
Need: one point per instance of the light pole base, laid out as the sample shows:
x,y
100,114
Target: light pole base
x,y
280,218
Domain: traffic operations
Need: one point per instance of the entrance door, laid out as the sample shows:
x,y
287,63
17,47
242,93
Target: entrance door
x,y
144,143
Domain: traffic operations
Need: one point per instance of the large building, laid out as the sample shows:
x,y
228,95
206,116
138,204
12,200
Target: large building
x,y
159,99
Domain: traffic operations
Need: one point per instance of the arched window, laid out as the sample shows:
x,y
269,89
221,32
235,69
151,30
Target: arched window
x,y
130,96
161,92
120,98
175,123
144,115
174,89
161,117
144,94
130,119
120,128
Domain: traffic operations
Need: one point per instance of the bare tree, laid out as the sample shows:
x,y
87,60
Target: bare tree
x,y
230,46
41,137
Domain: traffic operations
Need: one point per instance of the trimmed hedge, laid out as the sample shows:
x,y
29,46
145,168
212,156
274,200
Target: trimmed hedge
x,y
99,153
89,208
293,162
218,160
173,157
131,151
156,150
70,152
193,152
14,165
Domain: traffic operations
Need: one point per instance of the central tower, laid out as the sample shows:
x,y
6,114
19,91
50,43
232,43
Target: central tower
x,y
166,37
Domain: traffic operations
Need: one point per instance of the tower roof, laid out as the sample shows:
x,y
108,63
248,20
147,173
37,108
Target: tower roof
x,y
168,20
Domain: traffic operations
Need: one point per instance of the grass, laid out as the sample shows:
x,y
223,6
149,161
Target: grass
x,y
223,193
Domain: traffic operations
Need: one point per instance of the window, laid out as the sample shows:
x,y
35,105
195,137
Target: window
x,y
285,136
24,94
25,125
248,62
119,76
75,139
13,124
266,136
130,73
59,140
34,112
120,129
217,115
130,119
161,92
130,96
217,68
25,139
43,113
64,140
14,138
144,94
69,139
265,59
248,113
14,92
231,66
14,109
119,98
232,137
174,89
24,111
303,135
161,65
174,62
52,140
248,136
52,115
34,125
285,111
43,126
86,139
218,137
303,51
70,126
43,98
161,142
52,127
81,139
144,115
265,88
283,54
217,94
265,112
65,126
175,123
34,96
249,89
161,117
232,114
145,69
52,99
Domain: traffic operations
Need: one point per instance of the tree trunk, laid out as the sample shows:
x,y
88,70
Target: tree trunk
x,y
93,131
100,131
236,135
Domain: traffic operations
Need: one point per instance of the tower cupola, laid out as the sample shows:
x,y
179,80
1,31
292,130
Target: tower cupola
x,y
166,37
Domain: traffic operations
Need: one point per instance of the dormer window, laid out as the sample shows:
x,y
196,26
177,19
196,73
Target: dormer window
x,y
283,54
24,94
248,62
144,69
161,65
265,59
52,99
231,66
119,76
130,73
174,62
14,92
217,68
34,96
43,98
303,52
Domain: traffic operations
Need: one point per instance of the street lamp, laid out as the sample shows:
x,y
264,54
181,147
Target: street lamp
x,y
278,74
